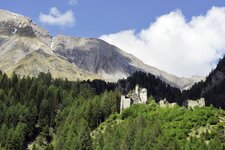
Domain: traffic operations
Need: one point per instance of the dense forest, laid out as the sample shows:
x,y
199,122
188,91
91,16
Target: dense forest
x,y
38,108
42,113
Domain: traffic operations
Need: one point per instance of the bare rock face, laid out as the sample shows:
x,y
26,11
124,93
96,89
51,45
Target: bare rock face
x,y
15,24
94,55
19,36
109,61
15,48
26,50
21,42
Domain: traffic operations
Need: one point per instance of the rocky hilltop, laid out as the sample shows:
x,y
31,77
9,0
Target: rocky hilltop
x,y
28,49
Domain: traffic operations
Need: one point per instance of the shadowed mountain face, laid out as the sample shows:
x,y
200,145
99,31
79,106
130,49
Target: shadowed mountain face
x,y
212,89
29,49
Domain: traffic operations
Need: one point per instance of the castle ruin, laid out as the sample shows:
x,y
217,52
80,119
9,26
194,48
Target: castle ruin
x,y
188,103
139,96
194,103
165,103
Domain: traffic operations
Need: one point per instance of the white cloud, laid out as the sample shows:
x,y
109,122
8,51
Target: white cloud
x,y
178,46
55,17
73,2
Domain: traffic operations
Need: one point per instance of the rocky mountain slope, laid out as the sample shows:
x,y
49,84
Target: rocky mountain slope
x,y
26,49
109,61
29,49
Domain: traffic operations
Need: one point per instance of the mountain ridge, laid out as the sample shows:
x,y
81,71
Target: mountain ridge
x,y
88,55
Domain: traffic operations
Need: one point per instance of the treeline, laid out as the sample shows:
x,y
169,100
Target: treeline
x,y
37,107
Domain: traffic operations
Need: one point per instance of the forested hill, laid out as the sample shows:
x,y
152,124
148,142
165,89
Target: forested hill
x,y
212,89
46,113
171,128
33,109
36,108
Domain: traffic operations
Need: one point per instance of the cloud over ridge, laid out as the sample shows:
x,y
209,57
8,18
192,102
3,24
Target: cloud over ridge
x,y
178,46
55,17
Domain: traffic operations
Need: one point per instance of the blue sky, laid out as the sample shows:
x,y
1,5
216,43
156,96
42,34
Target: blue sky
x,y
98,17
181,37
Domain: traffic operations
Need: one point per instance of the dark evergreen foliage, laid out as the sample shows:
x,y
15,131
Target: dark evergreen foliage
x,y
59,114
156,87
36,106
212,89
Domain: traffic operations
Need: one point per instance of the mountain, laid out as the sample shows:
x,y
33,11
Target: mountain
x,y
212,89
26,50
108,61
29,49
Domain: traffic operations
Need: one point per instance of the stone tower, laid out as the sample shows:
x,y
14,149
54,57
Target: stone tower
x,y
125,102
143,95
139,96
137,90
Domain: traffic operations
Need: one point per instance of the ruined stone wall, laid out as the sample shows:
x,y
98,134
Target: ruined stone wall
x,y
124,103
194,103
